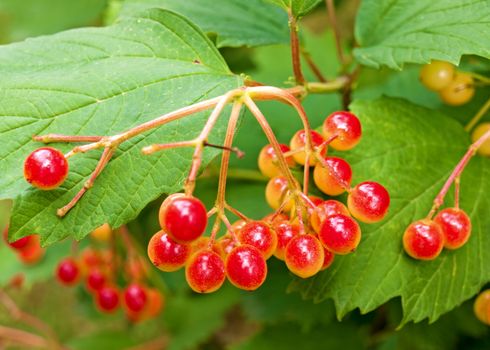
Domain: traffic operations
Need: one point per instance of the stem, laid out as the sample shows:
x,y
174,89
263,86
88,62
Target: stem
x,y
313,67
333,22
457,172
480,77
22,337
481,112
160,147
293,29
237,212
65,138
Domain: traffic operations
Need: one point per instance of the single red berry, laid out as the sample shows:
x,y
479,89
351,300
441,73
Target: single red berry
x,y
68,272
423,240
315,200
246,267
304,255
268,160
299,141
205,271
19,244
340,234
455,225
166,254
347,128
368,202
135,298
276,192
285,231
46,168
107,299
328,259
95,280
182,217
260,235
324,210
333,179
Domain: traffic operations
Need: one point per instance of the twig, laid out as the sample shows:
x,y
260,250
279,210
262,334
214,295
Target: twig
x,y
333,22
313,67
293,30
481,112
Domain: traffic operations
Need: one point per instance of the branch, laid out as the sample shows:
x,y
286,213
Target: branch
x,y
293,29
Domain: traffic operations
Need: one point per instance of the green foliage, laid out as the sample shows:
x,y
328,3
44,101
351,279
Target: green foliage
x,y
298,8
121,75
394,32
234,22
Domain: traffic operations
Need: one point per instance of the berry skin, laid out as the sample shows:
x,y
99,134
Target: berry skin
x,y
246,267
481,307
423,240
135,298
299,140
205,272
95,280
166,254
482,128
455,225
328,259
224,245
459,91
348,128
437,75
32,252
272,218
107,299
102,233
340,234
324,210
285,232
276,192
184,218
368,202
46,168
326,180
268,160
304,255
261,236
68,272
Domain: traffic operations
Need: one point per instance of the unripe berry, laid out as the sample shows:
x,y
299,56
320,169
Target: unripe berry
x,y
68,272
107,299
260,235
285,231
334,179
183,218
481,129
276,191
135,298
368,202
304,255
102,233
46,168
299,141
459,91
324,210
340,234
437,75
328,259
205,271
347,128
481,307
166,254
246,267
455,225
423,240
268,160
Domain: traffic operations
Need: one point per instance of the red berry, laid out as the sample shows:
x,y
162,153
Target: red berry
x,y
184,218
276,192
285,231
340,234
423,240
68,272
135,298
268,160
328,259
166,254
455,225
107,299
324,210
46,168
32,252
315,200
261,236
299,141
334,179
368,202
19,244
95,280
246,267
304,255
346,126
205,272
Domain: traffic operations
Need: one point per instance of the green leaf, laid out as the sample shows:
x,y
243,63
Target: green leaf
x,y
103,81
394,32
412,151
298,8
235,22
26,18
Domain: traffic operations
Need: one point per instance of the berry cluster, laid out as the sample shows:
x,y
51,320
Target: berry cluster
x,y
304,231
28,248
454,88
481,307
97,268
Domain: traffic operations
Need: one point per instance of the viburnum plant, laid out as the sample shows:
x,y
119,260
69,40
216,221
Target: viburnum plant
x,y
101,125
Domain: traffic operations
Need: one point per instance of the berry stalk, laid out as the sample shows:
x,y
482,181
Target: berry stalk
x,y
293,29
